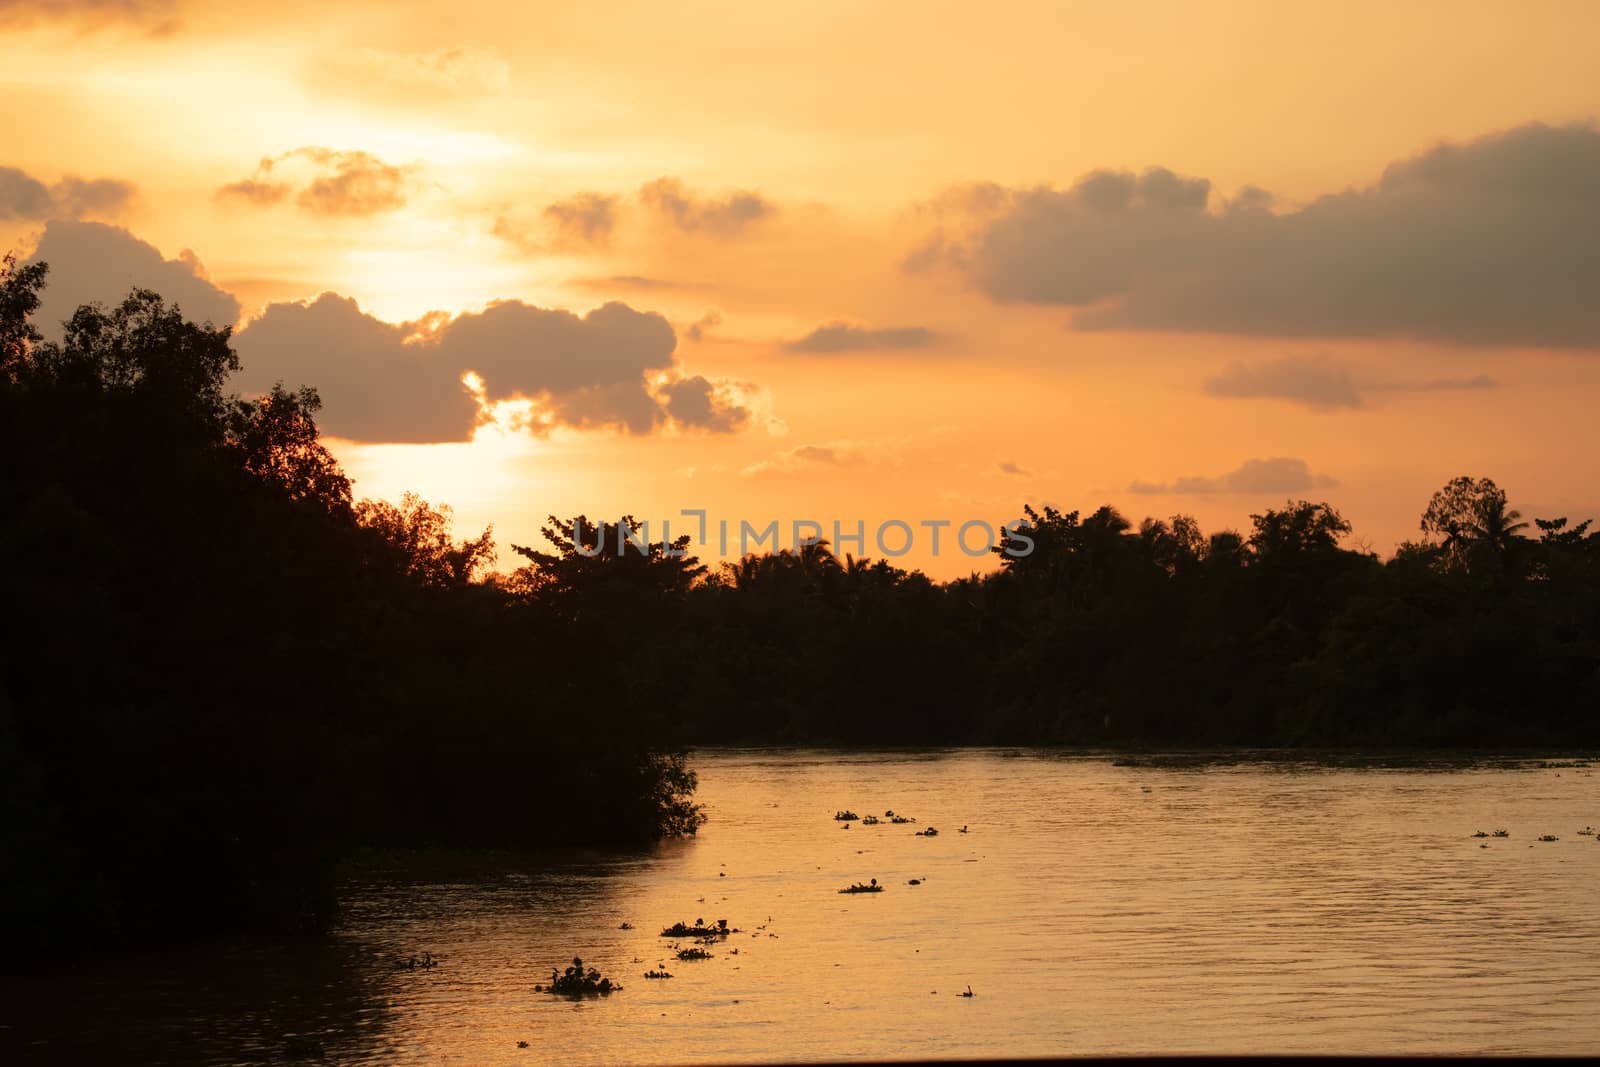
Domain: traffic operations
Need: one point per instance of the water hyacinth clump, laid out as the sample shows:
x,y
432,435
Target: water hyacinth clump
x,y
700,929
693,954
858,887
577,982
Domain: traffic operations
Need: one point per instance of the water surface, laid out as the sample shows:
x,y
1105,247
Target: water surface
x,y
1095,906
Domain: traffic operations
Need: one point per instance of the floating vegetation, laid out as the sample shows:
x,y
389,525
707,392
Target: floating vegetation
x,y
871,820
693,953
969,993
700,929
625,926
929,832
576,982
1501,833
874,887
1480,833
901,820
1548,837
846,815
419,963
657,974
915,881
1587,831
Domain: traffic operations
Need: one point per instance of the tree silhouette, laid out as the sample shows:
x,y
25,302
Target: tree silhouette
x,y
420,537
1478,531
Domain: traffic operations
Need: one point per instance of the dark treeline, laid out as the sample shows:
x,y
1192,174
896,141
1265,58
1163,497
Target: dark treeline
x,y
1486,633
223,673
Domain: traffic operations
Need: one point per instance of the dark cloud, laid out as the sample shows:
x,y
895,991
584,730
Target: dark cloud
x,y
378,381
1277,475
585,220
91,262
25,197
1009,467
1321,383
331,182
699,403
1315,381
842,337
154,17
403,383
719,218
1494,242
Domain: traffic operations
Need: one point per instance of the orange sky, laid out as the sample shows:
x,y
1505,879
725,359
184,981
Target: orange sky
x,y
908,169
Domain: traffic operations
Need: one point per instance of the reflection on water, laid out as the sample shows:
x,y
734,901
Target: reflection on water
x,y
1096,906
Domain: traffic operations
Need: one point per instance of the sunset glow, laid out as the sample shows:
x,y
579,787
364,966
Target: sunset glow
x,y
865,228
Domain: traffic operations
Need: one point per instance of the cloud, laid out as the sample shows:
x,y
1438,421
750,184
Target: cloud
x,y
843,337
330,182
1315,381
702,327
1320,382
1492,242
378,382
154,17
829,455
727,217
24,197
611,368
1009,467
412,78
92,262
699,403
254,192
1277,475
585,220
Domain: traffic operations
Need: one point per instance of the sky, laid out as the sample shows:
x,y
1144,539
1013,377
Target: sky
x,y
856,262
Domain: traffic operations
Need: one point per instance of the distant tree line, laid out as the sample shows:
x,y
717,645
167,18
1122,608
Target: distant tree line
x,y
223,673
1484,633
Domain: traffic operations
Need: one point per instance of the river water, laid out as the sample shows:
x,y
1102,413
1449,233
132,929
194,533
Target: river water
x,y
1095,905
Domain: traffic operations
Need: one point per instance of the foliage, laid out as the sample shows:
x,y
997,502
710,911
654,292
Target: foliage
x,y
576,982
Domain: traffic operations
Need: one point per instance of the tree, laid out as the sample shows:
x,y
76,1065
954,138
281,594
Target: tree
x,y
1477,530
609,560
275,439
143,348
419,535
19,299
1299,528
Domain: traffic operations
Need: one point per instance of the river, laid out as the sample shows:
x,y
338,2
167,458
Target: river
x,y
1095,905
